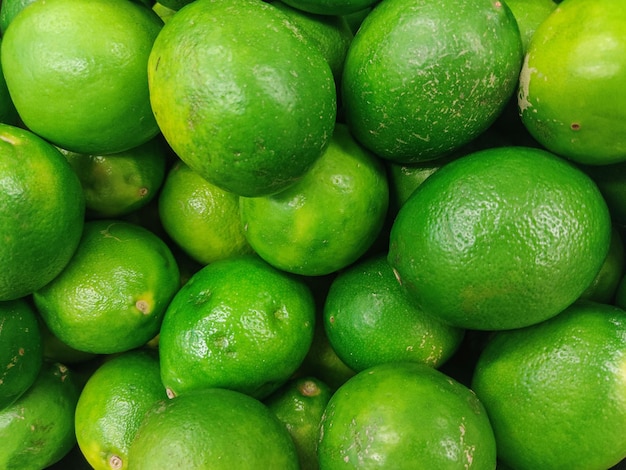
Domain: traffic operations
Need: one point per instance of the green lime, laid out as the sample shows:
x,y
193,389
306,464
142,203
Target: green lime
x,y
555,391
501,238
579,50
241,96
405,415
20,349
604,286
113,294
299,405
331,7
238,323
370,320
328,219
112,405
212,428
37,430
119,183
41,212
201,218
529,14
415,88
77,72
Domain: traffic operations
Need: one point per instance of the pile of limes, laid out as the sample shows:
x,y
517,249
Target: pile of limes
x,y
312,234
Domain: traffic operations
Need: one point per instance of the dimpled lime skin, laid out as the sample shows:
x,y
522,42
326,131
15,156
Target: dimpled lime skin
x,y
571,89
501,238
405,415
423,77
77,72
555,391
241,97
238,323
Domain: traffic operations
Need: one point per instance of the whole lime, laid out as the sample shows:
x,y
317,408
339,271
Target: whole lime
x,y
240,95
423,77
501,238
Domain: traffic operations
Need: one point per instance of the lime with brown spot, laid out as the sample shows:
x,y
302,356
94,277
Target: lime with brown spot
x,y
405,415
113,294
112,405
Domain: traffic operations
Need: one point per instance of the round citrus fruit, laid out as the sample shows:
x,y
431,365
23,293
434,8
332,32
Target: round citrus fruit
x,y
112,405
500,238
240,95
611,180
422,78
212,428
37,430
238,323
8,113
299,405
579,50
405,415
8,10
77,72
201,218
112,295
41,212
370,320
555,391
328,219
119,183
21,349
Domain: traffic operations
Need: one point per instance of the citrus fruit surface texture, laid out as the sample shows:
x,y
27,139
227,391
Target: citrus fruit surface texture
x,y
362,427
296,231
565,379
85,61
113,294
37,430
42,211
579,50
415,88
112,405
501,238
370,320
241,98
212,428
250,339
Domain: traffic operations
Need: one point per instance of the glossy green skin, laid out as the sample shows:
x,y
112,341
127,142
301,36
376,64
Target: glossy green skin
x,y
423,77
238,323
405,416
252,105
21,348
54,67
38,429
499,238
41,222
541,386
370,320
571,92
112,404
212,428
299,405
328,219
